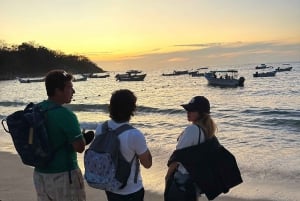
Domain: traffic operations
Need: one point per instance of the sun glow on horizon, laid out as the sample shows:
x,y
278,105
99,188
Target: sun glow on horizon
x,y
153,32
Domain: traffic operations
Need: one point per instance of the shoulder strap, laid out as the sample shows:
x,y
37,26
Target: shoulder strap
x,y
48,108
200,133
122,128
118,130
137,167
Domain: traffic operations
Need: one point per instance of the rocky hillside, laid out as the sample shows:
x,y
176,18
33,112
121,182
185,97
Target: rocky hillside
x,y
28,60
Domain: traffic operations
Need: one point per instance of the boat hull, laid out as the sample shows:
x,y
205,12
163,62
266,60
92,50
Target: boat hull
x,y
223,82
30,80
128,77
265,74
283,69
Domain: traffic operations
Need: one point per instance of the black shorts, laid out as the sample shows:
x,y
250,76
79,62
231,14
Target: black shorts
x,y
137,196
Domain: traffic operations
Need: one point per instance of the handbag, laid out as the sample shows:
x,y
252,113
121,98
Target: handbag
x,y
180,187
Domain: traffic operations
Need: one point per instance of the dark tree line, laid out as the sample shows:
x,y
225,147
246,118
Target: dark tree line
x,y
29,60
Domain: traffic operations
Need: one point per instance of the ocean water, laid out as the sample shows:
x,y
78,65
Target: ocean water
x,y
259,123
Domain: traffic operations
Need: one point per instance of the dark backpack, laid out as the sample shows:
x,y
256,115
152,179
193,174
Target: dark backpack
x,y
29,134
105,166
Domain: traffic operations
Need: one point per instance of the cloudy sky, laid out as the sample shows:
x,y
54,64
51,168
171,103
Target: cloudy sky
x,y
151,34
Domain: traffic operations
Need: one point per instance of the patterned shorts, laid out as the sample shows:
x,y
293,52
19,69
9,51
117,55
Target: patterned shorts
x,y
57,186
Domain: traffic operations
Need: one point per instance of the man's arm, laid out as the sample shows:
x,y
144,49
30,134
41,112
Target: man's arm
x,y
146,159
79,145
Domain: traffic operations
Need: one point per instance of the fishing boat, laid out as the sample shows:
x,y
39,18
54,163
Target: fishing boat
x,y
176,73
198,72
262,66
30,80
265,74
79,78
224,78
131,75
98,75
287,67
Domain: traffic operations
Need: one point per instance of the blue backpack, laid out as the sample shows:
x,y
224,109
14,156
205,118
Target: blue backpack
x,y
105,166
29,134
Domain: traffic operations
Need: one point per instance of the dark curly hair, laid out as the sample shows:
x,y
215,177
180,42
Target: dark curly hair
x,y
122,105
56,79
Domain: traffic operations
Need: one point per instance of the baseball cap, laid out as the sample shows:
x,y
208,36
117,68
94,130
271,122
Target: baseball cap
x,y
197,103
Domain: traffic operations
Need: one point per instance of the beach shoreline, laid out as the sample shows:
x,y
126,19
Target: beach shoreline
x,y
16,184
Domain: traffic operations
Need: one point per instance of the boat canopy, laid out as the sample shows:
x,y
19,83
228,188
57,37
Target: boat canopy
x,y
133,71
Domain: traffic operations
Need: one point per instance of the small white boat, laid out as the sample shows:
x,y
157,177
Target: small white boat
x,y
262,66
98,75
224,78
131,75
79,78
30,80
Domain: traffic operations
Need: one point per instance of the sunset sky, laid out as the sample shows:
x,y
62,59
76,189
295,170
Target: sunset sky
x,y
152,34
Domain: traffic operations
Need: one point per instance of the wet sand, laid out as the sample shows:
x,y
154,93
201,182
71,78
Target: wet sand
x,y
16,184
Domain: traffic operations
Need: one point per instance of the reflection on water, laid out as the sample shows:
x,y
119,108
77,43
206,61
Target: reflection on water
x,y
258,123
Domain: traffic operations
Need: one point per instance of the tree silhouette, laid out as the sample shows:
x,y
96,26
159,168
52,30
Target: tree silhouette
x,y
31,60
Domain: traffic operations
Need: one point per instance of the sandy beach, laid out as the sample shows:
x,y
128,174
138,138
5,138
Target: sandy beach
x,y
16,184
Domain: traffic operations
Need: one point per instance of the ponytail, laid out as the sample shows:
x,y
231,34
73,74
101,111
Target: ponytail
x,y
208,125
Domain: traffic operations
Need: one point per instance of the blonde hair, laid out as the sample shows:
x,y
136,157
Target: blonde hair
x,y
207,124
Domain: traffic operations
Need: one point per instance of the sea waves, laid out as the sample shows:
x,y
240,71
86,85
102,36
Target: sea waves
x,y
254,117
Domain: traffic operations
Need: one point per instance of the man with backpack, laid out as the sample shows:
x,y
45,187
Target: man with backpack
x,y
61,179
133,146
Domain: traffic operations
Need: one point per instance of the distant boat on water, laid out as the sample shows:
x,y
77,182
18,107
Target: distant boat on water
x,y
197,73
264,74
224,78
42,79
131,75
176,72
287,67
262,66
98,75
80,78
30,80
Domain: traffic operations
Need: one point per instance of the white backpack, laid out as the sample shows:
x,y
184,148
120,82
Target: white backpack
x,y
105,166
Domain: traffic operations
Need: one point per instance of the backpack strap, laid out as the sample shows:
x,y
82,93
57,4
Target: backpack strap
x,y
123,128
118,130
46,123
30,105
137,167
63,145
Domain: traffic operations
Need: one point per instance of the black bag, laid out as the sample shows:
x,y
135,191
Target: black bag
x,y
180,187
29,134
